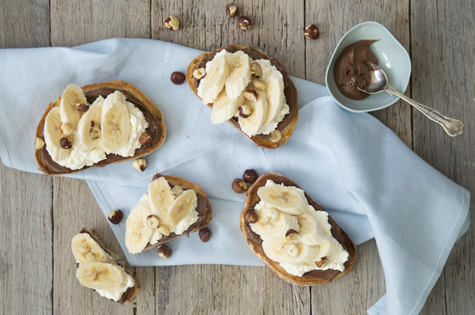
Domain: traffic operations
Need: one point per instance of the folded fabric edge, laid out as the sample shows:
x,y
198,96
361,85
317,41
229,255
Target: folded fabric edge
x,y
4,152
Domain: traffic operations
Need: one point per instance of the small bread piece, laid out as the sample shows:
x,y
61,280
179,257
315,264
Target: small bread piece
x,y
286,126
152,114
254,241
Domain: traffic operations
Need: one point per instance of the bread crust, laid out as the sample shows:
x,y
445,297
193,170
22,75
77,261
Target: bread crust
x,y
263,142
252,199
116,85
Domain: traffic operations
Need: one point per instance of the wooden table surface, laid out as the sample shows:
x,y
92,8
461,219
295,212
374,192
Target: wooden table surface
x,y
40,214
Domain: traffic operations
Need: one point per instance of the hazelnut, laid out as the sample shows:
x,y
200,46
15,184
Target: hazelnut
x,y
95,132
82,107
205,235
66,129
172,23
292,235
177,78
258,85
152,221
163,230
115,216
244,23
250,176
140,164
244,111
321,262
250,216
256,70
199,73
145,138
311,32
232,10
239,186
65,143
177,191
275,136
250,95
39,143
164,251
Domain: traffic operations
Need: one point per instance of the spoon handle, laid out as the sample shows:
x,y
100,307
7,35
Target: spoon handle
x,y
452,126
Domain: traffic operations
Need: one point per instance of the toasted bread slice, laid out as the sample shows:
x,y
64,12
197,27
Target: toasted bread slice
x,y
255,242
286,126
152,114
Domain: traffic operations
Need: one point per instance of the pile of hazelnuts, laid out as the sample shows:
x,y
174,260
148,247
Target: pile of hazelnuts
x,y
240,185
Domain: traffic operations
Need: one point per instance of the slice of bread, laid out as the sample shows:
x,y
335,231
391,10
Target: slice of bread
x,y
255,242
152,114
286,126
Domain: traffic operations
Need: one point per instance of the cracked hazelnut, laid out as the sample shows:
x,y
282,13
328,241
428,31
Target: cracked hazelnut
x,y
256,70
115,216
321,262
311,32
244,111
95,131
232,10
172,23
82,107
199,73
163,230
65,143
140,164
164,251
145,138
275,136
152,221
292,235
239,186
251,95
177,78
244,23
258,85
39,143
250,216
66,129
250,176
177,191
205,235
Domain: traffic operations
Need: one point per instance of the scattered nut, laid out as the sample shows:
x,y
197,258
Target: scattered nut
x,y
205,235
66,129
177,190
145,138
65,143
251,95
292,235
239,186
275,136
177,78
232,10
321,262
256,70
311,32
244,111
250,216
140,164
95,131
258,85
39,143
82,107
244,23
163,230
172,23
199,73
164,251
152,221
115,216
250,176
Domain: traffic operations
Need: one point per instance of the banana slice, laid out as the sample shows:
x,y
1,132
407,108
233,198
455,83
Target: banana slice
x,y
137,233
240,74
225,108
289,200
275,95
102,276
72,95
334,253
289,252
273,224
161,198
322,219
52,133
217,70
86,249
115,123
310,231
251,124
88,133
185,203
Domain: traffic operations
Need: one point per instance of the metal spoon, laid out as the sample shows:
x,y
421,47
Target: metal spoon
x,y
379,83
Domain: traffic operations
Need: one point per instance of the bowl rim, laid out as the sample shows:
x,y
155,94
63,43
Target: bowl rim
x,y
406,55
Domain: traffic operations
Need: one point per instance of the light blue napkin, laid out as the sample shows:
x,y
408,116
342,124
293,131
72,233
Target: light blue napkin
x,y
370,182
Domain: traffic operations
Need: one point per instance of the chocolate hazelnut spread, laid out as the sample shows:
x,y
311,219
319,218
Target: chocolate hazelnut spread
x,y
352,69
336,231
154,129
289,88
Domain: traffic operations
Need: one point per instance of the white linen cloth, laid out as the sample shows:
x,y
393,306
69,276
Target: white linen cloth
x,y
370,182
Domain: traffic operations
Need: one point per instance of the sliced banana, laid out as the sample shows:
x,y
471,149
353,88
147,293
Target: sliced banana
x,y
102,276
72,95
88,135
225,108
240,74
185,203
137,233
86,249
115,125
161,198
322,219
275,95
310,231
217,71
334,253
251,124
52,133
273,224
289,252
289,200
